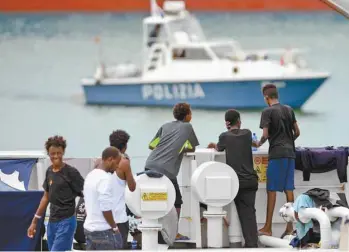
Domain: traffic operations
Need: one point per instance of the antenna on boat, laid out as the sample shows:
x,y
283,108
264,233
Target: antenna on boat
x,y
100,72
97,40
340,6
155,9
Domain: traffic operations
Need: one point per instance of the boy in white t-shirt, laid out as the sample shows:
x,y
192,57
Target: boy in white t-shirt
x,y
101,230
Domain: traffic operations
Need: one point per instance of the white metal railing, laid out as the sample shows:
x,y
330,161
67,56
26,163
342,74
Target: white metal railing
x,y
327,180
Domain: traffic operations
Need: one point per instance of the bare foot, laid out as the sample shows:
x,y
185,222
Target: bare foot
x,y
289,228
288,231
285,234
264,231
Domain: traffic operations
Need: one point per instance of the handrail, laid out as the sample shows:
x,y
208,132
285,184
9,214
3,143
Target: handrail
x,y
153,48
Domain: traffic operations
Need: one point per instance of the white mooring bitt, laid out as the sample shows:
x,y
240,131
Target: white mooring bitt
x,y
153,198
207,182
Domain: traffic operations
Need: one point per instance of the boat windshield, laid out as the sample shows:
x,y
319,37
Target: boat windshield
x,y
187,26
226,50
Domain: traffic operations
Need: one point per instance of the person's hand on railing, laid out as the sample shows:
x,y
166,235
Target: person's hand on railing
x,y
226,222
211,146
97,162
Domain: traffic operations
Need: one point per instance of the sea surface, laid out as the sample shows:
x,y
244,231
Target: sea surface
x,y
43,58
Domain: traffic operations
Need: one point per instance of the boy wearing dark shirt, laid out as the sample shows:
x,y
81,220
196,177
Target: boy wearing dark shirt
x,y
63,183
280,127
237,144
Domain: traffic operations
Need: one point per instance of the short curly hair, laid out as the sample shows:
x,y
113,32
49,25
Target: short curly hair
x,y
119,139
56,141
181,110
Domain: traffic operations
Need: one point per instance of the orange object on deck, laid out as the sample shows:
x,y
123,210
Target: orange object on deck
x,y
144,5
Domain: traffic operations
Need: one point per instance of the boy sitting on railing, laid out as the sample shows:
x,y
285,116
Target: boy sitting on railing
x,y
172,140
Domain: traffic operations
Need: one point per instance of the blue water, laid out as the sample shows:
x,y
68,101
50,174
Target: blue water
x,y
43,57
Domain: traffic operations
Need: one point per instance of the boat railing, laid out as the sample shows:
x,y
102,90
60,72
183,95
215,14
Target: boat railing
x,y
291,57
287,56
187,226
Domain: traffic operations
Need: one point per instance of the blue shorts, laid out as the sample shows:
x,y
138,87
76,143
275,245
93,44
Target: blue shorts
x,y
280,174
60,234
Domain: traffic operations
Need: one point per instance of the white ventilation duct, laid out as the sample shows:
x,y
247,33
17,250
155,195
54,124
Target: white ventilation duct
x,y
305,215
337,212
274,242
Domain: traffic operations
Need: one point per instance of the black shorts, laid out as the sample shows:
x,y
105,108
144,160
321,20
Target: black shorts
x,y
178,202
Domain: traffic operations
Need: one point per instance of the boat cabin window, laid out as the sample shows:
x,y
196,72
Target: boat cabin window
x,y
228,51
223,51
188,25
190,54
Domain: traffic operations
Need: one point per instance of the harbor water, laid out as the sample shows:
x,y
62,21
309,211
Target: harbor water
x,y
43,57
